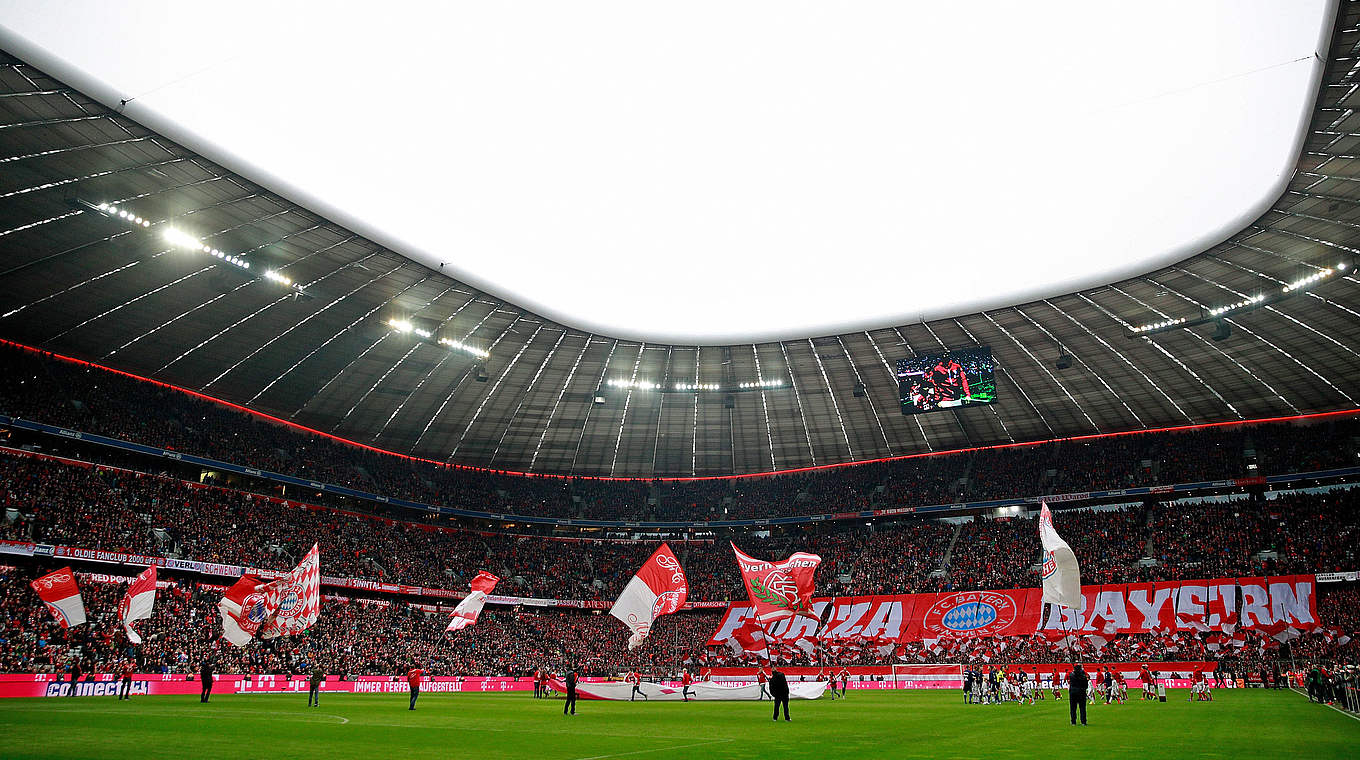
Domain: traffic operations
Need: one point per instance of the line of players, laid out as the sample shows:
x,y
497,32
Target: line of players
x,y
996,685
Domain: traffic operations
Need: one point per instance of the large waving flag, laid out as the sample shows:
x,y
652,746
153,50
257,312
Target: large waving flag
x,y
659,588
1062,575
245,608
779,590
750,639
298,597
59,592
465,614
137,602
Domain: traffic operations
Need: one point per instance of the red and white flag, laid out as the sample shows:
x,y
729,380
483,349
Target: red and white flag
x,y
137,602
659,588
298,598
1062,575
245,608
465,614
59,592
779,590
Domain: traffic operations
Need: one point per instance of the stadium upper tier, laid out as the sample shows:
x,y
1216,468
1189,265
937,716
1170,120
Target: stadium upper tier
x,y
87,399
279,309
88,508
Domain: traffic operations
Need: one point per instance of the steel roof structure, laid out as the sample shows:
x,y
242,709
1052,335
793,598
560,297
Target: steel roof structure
x,y
96,286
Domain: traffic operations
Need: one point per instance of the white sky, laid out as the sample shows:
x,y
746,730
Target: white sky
x,y
730,171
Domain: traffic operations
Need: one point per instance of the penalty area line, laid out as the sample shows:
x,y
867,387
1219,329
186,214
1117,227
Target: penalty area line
x,y
657,749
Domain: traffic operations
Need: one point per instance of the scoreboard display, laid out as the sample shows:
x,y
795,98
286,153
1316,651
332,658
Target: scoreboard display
x,y
950,380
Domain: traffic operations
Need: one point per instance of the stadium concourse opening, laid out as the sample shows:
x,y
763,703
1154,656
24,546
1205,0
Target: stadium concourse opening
x,y
805,473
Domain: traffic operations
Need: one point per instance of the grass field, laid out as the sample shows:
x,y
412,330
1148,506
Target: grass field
x,y
1239,725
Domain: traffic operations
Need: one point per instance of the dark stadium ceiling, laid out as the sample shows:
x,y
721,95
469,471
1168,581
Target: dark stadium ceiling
x,y
82,283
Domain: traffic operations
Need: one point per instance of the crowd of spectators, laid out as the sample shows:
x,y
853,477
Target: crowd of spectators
x,y
378,637
48,501
86,398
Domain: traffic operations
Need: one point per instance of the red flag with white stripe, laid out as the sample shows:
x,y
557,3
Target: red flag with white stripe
x,y
137,602
298,596
467,611
659,588
58,590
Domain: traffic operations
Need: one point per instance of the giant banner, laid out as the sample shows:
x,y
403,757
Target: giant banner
x,y
1270,604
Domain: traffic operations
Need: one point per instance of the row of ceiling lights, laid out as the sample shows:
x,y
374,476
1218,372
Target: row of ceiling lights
x,y
181,239
1246,303
406,326
647,385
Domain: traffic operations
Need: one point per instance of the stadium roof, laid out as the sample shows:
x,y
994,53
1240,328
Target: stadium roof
x,y
730,174
86,283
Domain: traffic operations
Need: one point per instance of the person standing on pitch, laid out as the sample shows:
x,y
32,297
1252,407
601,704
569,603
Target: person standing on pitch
x,y
125,683
845,679
413,677
761,679
205,674
570,680
686,681
75,675
635,678
538,684
1076,694
779,689
314,686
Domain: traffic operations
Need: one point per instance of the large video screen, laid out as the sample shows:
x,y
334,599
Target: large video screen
x,y
950,380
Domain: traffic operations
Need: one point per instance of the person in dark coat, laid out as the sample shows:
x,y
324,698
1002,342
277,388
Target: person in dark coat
x,y
1076,694
76,673
779,689
205,673
571,691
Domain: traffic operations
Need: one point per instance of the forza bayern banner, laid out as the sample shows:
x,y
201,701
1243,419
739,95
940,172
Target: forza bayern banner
x,y
1224,605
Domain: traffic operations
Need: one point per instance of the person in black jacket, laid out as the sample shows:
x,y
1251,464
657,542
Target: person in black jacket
x,y
1076,694
205,673
779,689
571,691
76,673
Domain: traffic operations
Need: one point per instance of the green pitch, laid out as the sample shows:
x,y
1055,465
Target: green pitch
x,y
1239,725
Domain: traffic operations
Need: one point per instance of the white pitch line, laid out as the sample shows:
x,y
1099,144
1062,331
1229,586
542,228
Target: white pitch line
x,y
1304,694
656,749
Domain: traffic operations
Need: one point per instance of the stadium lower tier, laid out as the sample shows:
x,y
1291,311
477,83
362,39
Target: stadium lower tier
x,y
355,637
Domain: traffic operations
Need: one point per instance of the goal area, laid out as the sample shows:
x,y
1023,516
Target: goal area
x,y
927,676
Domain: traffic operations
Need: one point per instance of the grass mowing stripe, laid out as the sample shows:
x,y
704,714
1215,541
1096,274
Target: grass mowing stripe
x,y
1241,724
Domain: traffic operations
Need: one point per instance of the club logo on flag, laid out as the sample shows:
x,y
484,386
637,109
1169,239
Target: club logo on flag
x,y
1050,565
255,607
777,589
667,603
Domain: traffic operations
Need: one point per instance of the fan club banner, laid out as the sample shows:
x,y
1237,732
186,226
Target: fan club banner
x,y
1223,604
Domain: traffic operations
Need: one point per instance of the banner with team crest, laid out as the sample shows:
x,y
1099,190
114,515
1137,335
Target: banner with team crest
x,y
1275,605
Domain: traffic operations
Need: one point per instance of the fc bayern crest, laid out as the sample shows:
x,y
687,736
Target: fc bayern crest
x,y
666,604
290,601
1050,565
253,606
973,613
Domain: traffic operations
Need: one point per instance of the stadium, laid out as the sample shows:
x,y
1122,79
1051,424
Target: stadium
x,y
583,382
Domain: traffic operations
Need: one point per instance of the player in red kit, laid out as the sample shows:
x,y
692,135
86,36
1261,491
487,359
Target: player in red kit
x,y
686,681
949,379
635,678
413,677
762,679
